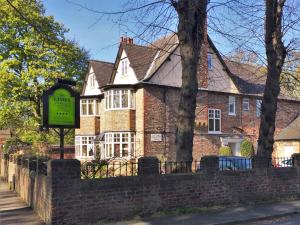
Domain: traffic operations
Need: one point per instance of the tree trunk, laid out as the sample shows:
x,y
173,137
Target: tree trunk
x,y
276,53
191,31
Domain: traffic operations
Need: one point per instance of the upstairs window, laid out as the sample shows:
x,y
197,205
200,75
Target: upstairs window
x,y
124,67
214,121
209,61
89,107
231,105
246,105
92,81
119,99
258,107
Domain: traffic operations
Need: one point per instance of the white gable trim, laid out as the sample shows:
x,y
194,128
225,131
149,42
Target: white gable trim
x,y
129,77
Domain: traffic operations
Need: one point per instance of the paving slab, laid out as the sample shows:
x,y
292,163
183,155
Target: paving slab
x,y
13,211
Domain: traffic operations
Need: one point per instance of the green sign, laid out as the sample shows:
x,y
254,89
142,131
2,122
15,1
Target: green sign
x,y
61,108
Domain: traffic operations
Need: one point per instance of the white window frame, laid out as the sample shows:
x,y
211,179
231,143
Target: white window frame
x,y
210,61
124,67
246,102
258,107
81,141
96,107
111,139
215,118
231,101
109,99
92,81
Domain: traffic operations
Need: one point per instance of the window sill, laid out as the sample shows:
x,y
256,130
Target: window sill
x,y
106,110
214,132
232,114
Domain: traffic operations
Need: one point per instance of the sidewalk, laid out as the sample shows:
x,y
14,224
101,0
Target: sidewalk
x,y
238,215
13,211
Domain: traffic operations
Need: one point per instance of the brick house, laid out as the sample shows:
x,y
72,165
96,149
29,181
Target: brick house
x,y
128,108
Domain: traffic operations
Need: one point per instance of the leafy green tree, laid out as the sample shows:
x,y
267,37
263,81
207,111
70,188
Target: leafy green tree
x,y
33,53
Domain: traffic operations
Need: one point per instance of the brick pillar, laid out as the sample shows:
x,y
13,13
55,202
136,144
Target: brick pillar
x,y
209,163
296,160
61,169
261,162
148,166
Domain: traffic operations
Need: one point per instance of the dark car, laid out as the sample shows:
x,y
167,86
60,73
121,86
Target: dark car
x,y
234,163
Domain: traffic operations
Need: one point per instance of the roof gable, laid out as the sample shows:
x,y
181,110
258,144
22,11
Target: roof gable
x,y
102,72
139,57
291,132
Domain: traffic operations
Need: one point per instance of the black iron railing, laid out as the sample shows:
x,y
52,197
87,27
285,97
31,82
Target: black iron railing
x,y
106,169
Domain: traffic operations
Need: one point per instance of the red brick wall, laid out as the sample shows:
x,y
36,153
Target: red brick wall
x,y
160,117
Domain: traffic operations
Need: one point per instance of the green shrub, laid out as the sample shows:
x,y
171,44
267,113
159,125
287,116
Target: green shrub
x,y
225,151
246,148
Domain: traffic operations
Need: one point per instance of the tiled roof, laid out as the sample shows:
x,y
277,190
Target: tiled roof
x,y
291,132
140,58
249,79
102,70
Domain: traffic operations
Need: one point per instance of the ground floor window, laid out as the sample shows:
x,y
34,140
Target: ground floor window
x,y
84,146
119,144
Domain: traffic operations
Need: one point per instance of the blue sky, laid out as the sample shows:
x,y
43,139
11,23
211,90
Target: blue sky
x,y
99,37
102,38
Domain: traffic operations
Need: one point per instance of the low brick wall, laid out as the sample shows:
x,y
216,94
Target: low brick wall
x,y
62,197
116,198
33,188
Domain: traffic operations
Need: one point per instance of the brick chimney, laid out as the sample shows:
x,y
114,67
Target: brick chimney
x,y
126,40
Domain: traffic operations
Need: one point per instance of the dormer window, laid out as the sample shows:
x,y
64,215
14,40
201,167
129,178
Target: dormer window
x,y
92,81
124,64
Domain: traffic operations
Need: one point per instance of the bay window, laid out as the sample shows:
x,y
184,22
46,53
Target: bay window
x,y
89,107
119,99
214,121
119,144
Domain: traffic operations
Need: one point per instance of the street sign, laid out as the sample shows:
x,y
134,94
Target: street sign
x,y
61,107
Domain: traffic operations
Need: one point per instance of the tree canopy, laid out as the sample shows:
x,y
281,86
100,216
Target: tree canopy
x,y
34,51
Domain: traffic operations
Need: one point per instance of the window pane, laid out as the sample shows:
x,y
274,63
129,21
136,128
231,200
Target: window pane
x,y
84,150
91,150
116,137
83,107
77,150
125,150
84,140
217,113
211,125
124,98
116,99
125,137
117,150
210,113
97,107
91,107
217,125
132,99
245,104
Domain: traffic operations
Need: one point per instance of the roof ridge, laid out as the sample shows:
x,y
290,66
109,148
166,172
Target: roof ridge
x,y
95,60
